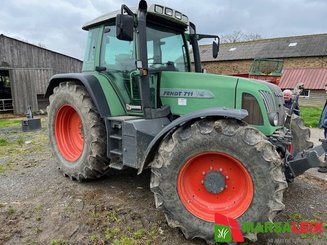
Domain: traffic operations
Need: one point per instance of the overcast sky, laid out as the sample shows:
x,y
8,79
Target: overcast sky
x,y
57,23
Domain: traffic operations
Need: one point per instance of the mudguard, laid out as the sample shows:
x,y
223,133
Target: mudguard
x,y
238,114
91,84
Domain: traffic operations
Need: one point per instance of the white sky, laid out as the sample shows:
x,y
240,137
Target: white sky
x,y
57,23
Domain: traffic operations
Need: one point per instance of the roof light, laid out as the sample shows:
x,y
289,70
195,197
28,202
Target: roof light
x,y
178,15
158,9
292,44
185,19
169,12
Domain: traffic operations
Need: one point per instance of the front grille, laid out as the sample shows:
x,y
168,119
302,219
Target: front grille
x,y
279,102
268,100
250,104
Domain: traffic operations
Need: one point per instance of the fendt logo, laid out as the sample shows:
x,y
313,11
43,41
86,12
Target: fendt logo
x,y
227,229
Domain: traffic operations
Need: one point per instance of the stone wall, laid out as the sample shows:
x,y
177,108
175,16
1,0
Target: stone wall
x,y
243,66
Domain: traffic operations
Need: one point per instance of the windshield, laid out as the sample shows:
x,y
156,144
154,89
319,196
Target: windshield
x,y
166,48
166,52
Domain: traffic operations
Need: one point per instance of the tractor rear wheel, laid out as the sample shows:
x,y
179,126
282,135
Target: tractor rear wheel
x,y
77,133
222,167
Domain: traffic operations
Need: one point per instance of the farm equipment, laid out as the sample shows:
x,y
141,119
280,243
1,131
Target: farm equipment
x,y
269,70
215,144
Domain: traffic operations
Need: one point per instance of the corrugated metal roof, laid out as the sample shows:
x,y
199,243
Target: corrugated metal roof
x,y
284,47
313,78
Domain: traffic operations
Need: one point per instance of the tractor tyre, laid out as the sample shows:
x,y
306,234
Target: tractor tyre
x,y
223,167
301,135
77,133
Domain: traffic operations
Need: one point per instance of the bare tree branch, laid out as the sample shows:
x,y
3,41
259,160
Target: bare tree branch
x,y
239,36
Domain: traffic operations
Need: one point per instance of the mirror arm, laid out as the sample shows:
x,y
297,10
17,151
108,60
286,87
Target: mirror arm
x,y
201,36
127,10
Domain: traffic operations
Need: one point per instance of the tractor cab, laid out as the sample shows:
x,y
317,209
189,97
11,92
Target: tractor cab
x,y
132,59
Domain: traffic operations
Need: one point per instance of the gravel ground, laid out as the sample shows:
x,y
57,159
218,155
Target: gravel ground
x,y
38,205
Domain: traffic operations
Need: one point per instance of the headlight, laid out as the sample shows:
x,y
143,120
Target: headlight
x,y
273,119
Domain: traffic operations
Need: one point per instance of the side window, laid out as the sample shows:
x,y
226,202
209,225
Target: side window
x,y
116,54
118,57
89,55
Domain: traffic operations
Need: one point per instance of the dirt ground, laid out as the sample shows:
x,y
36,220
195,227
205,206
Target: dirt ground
x,y
38,205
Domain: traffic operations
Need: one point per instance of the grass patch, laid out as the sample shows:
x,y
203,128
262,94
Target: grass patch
x,y
124,240
58,242
14,145
10,210
6,123
311,116
6,167
3,142
93,238
139,233
111,233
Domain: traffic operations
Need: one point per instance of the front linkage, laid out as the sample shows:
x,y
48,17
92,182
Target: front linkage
x,y
301,162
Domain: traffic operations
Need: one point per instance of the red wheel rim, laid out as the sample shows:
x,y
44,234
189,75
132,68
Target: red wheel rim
x,y
232,201
69,133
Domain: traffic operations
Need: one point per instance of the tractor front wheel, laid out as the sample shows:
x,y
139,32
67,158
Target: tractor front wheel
x,y
301,135
217,167
77,133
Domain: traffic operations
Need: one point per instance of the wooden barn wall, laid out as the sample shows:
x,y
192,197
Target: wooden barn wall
x,y
22,55
30,68
26,85
22,91
317,98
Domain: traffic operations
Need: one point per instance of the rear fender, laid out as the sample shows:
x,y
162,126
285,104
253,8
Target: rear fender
x,y
212,112
91,84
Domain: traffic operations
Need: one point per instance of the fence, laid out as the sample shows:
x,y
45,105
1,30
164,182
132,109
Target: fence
x,y
6,105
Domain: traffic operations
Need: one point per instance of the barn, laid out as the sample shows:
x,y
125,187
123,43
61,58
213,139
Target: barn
x,y
25,70
305,61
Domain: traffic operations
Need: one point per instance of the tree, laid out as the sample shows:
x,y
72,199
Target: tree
x,y
239,36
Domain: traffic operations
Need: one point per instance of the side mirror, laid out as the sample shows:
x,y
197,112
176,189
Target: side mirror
x,y
124,27
215,49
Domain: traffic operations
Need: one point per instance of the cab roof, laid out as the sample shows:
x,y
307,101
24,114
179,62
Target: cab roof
x,y
155,10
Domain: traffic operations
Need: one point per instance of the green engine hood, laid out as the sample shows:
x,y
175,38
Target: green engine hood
x,y
186,92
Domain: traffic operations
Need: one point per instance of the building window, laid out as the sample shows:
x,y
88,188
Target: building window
x,y
305,93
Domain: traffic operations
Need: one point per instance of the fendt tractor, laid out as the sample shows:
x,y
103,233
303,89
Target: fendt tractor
x,y
215,144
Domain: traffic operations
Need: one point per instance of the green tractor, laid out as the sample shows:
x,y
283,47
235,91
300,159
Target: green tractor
x,y
215,144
